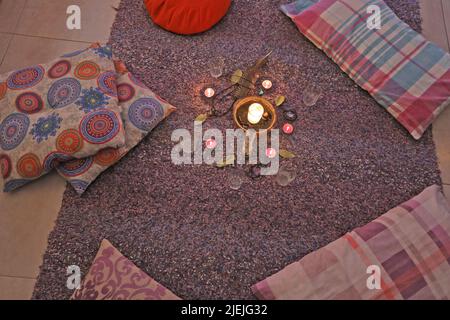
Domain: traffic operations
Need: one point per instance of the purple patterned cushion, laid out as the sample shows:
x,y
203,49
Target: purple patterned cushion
x,y
114,277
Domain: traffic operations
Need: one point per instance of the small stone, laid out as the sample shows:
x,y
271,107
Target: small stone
x,y
290,115
261,92
255,171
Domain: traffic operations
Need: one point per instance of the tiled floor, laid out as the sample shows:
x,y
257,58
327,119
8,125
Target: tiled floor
x,y
436,26
33,31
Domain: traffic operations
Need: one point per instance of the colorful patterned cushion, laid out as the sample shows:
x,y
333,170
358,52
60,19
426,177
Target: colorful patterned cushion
x,y
410,244
54,112
114,277
406,74
142,110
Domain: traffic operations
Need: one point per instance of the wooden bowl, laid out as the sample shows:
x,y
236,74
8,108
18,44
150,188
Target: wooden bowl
x,y
240,110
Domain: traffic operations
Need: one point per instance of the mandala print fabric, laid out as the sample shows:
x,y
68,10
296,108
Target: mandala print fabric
x,y
51,113
142,110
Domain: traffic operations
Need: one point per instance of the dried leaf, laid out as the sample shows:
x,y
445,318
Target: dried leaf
x,y
248,77
241,92
286,154
236,77
263,60
201,118
229,160
280,100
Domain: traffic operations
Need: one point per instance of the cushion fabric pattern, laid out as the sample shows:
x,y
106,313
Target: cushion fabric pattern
x,y
410,244
113,277
187,16
406,74
142,110
65,109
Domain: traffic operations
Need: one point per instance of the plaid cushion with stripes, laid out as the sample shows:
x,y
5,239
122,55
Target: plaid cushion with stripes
x,y
408,75
410,246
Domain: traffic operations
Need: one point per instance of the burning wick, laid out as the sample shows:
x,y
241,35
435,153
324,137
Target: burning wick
x,y
255,113
210,143
209,92
271,153
288,128
267,84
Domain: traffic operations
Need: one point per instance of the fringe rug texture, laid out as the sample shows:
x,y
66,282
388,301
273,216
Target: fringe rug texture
x,y
184,225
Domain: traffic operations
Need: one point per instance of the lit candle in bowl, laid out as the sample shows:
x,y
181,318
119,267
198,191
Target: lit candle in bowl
x,y
209,92
255,113
267,84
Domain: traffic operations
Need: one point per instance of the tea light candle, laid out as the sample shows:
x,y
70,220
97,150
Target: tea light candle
x,y
255,113
288,128
267,84
271,153
210,143
209,92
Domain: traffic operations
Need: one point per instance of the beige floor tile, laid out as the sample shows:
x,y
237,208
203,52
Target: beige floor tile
x,y
433,24
10,11
26,218
441,134
435,29
24,51
446,11
447,191
47,18
16,288
4,42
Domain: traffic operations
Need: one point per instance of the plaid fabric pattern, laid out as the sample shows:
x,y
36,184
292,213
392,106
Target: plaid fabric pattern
x,y
410,244
408,75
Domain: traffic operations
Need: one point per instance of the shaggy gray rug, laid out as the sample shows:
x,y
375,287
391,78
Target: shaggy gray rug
x,y
183,225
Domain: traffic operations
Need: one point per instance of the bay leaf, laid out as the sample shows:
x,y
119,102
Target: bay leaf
x,y
229,160
286,154
280,100
236,77
201,118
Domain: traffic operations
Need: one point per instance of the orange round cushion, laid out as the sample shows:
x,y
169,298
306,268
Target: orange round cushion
x,y
187,16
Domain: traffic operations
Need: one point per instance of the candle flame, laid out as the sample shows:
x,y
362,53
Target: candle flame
x,y
255,113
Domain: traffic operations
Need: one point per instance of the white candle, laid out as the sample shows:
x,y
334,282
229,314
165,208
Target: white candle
x,y
267,84
255,113
209,92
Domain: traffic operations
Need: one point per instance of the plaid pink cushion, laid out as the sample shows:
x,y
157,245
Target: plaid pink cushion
x,y
410,244
406,74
